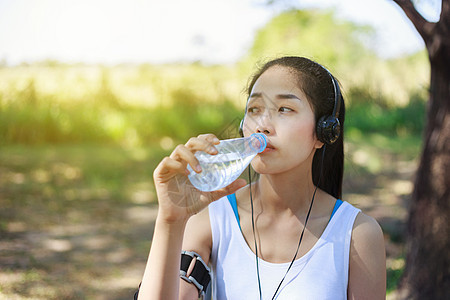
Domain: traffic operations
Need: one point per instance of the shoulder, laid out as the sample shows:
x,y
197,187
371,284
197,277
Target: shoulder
x,y
367,262
367,238
366,229
198,232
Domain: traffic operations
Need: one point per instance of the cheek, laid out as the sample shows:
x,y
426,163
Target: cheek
x,y
304,131
251,122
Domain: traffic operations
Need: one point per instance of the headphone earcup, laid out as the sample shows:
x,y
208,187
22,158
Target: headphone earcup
x,y
241,128
328,129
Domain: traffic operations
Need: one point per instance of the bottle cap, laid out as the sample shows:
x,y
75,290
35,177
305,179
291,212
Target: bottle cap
x,y
258,142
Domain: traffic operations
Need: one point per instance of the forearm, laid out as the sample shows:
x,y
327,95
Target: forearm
x,y
161,276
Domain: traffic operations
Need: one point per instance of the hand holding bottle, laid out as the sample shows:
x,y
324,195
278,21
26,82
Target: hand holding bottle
x,y
178,198
234,155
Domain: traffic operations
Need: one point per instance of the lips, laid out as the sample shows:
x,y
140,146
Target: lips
x,y
269,148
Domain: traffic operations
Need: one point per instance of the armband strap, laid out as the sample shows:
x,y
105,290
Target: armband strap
x,y
200,275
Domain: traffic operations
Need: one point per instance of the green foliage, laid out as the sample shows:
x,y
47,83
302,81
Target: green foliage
x,y
187,115
344,48
369,113
44,120
394,273
314,34
28,116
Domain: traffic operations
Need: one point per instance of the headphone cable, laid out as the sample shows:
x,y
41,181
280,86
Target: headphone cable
x,y
254,236
301,235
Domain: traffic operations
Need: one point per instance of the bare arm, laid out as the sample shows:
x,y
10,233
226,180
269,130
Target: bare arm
x,y
198,238
367,275
161,276
178,201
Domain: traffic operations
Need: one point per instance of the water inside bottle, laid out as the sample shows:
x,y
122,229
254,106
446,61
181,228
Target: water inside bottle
x,y
218,170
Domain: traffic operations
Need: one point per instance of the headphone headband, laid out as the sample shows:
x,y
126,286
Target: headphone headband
x,y
337,97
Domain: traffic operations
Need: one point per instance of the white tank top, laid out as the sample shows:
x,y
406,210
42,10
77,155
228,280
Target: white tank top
x,y
322,273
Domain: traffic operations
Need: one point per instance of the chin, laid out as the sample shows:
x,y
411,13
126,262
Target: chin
x,y
263,168
257,167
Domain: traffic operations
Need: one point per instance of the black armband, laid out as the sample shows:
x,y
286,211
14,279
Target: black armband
x,y
200,275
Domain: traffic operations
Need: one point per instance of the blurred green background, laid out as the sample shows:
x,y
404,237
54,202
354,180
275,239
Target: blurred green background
x,y
79,142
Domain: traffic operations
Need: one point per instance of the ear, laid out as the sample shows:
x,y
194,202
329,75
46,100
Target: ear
x,y
318,144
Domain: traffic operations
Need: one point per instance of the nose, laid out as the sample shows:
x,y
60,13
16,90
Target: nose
x,y
265,124
261,130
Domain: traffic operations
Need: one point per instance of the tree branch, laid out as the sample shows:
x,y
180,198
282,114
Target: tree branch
x,y
424,27
445,15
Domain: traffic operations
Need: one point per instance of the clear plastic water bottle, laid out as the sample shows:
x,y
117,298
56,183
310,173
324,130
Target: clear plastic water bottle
x,y
227,165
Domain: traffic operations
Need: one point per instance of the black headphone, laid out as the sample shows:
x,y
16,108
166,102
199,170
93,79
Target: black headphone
x,y
328,128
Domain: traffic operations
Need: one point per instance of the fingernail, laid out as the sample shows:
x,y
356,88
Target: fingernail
x,y
212,149
198,168
216,140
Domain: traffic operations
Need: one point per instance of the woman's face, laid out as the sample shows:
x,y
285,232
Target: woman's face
x,y
278,108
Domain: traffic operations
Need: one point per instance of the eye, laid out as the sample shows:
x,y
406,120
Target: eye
x,y
253,109
285,109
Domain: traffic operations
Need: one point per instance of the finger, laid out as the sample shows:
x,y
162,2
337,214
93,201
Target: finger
x,y
201,144
210,138
230,189
167,168
186,156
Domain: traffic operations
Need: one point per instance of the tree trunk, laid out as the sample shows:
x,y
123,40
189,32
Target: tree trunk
x,y
428,238
427,270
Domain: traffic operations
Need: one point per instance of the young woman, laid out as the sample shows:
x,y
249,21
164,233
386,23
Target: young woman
x,y
284,236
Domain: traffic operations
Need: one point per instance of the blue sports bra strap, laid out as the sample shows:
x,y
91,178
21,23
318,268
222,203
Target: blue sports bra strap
x,y
233,202
336,206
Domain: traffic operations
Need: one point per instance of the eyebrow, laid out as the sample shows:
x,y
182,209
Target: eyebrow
x,y
279,96
287,96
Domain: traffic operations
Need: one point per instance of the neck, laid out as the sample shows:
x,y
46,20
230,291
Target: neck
x,y
290,191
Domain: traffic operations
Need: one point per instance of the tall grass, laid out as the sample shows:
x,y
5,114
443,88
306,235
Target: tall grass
x,y
178,109
142,105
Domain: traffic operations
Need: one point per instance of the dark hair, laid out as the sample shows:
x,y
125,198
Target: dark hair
x,y
315,81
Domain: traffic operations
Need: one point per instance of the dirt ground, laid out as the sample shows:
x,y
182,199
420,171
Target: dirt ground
x,y
99,251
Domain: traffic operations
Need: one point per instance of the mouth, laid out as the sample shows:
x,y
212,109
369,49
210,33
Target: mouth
x,y
269,148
